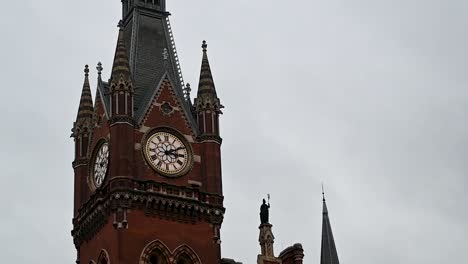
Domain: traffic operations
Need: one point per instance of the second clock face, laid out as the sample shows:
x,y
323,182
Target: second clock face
x,y
167,153
100,165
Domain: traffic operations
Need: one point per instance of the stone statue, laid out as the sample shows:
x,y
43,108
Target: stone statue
x,y
264,212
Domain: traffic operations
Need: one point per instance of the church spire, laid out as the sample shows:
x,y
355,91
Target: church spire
x,y
121,65
86,109
84,119
206,96
329,254
207,104
121,84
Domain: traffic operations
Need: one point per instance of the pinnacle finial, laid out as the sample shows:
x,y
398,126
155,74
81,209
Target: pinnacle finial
x,y
187,90
165,54
204,46
323,192
99,68
86,70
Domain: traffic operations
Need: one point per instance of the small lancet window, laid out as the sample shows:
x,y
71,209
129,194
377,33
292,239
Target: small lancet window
x,y
184,259
157,258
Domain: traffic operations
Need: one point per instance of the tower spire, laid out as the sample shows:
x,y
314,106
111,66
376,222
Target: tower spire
x,y
84,120
121,66
86,109
206,87
329,254
207,104
121,84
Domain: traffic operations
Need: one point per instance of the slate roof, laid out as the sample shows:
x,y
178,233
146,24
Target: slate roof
x,y
103,89
152,55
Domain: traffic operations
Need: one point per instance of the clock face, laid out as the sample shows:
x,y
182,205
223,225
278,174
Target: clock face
x,y
167,153
101,163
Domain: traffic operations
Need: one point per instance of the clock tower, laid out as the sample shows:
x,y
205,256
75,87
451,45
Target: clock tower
x,y
148,185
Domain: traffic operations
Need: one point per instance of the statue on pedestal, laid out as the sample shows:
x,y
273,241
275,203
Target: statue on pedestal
x,y
264,212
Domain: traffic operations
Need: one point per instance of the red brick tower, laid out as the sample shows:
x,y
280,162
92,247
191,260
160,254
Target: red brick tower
x,y
147,163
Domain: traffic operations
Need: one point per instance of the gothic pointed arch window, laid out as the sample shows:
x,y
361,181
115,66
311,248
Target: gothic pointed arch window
x,y
157,257
185,255
155,253
184,259
103,258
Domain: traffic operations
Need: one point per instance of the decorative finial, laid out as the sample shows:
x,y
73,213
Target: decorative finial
x,y
165,54
204,46
323,192
99,68
120,25
187,90
86,70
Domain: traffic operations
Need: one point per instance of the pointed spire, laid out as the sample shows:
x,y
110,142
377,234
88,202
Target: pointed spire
x,y
329,254
85,116
206,84
325,209
206,96
121,66
121,84
86,109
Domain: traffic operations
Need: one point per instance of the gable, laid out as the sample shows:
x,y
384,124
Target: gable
x,y
168,109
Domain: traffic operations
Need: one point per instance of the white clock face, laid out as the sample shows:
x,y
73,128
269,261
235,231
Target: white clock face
x,y
167,153
101,163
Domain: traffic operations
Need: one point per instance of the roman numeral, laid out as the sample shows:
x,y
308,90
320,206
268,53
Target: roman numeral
x,y
166,138
180,162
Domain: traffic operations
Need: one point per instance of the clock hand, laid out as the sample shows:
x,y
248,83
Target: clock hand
x,y
175,155
177,149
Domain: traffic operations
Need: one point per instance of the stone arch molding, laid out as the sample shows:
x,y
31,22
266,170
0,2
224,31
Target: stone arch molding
x,y
103,257
187,251
171,257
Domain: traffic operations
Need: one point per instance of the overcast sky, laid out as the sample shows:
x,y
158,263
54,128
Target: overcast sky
x,y
368,96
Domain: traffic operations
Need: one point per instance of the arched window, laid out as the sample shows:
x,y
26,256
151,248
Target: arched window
x,y
103,257
184,259
157,257
185,255
155,253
